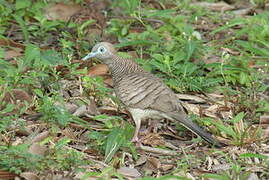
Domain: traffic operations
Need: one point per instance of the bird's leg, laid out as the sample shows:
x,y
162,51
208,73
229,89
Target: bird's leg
x,y
137,128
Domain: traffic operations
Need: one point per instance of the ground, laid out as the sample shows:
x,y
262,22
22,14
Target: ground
x,y
60,119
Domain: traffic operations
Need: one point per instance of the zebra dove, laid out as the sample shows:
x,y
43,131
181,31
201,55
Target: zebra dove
x,y
144,95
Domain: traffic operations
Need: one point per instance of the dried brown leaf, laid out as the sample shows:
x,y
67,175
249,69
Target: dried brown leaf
x,y
61,11
253,176
92,107
29,176
166,167
6,175
264,119
219,6
69,132
9,42
37,149
81,111
12,53
266,132
129,172
152,139
98,70
155,163
142,159
40,137
193,98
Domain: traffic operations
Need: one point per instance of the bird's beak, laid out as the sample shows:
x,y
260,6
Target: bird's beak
x,y
90,55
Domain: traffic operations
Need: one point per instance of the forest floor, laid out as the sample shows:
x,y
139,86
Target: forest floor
x,y
60,119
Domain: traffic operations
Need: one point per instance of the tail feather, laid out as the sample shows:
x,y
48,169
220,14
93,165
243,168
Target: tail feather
x,y
197,130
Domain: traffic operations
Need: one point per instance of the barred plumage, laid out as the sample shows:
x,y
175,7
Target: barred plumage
x,y
144,95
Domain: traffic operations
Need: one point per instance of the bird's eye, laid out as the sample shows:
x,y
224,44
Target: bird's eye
x,y
102,49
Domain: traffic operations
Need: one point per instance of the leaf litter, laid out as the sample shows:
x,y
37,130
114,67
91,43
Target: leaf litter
x,y
158,157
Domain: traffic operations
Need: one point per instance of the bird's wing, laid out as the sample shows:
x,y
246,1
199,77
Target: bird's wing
x,y
145,91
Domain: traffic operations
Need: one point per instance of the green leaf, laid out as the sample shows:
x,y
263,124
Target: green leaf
x,y
23,27
160,13
51,57
133,43
62,142
252,155
8,108
21,4
189,49
238,117
158,57
235,22
114,141
227,129
38,92
32,52
117,137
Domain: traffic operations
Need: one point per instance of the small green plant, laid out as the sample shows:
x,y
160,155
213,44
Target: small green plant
x,y
17,159
239,132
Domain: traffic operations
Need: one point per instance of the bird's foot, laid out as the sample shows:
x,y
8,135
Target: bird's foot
x,y
135,139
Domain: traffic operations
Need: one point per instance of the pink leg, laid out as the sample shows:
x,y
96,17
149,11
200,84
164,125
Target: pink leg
x,y
137,128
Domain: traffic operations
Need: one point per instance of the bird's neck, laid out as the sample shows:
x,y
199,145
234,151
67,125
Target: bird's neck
x,y
120,67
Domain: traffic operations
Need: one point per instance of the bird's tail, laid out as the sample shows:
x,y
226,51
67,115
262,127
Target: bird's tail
x,y
197,130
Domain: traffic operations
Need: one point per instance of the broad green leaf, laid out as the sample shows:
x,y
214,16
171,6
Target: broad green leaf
x,y
114,141
21,4
238,117
9,108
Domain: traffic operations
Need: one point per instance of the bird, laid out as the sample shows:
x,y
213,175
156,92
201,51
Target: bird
x,y
143,94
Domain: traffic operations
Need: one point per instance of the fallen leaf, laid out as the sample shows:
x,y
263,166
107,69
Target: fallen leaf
x,y
166,167
98,70
191,108
69,133
142,159
29,176
253,176
219,6
155,163
81,111
243,12
92,107
152,139
37,149
221,167
6,175
11,43
264,119
108,81
61,11
266,132
17,97
40,137
129,172
12,53
133,54
193,98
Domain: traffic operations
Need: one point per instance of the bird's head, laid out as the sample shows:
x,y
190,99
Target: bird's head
x,y
103,51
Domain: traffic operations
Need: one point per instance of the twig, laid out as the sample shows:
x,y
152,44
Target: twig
x,y
157,150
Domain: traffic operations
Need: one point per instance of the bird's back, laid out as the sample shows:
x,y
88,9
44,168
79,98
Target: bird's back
x,y
145,91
